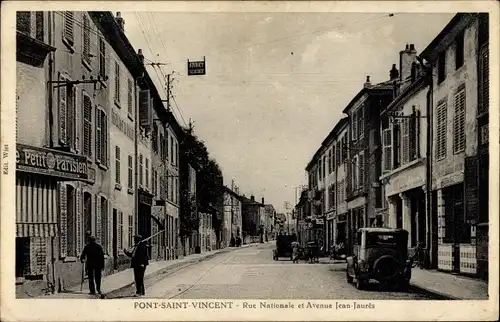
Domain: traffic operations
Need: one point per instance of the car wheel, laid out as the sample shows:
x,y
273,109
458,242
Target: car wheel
x,y
348,277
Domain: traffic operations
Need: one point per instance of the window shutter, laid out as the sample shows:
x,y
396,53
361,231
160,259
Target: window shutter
x,y
63,219
130,101
78,122
361,170
98,216
87,126
79,220
105,146
361,121
109,224
471,176
405,142
63,108
387,149
120,230
354,124
144,108
441,131
459,122
86,39
484,84
68,28
98,139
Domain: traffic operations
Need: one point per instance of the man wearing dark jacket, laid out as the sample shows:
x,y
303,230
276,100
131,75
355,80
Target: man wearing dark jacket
x,y
95,263
140,260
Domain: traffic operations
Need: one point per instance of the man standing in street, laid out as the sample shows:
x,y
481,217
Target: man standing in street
x,y
140,260
95,263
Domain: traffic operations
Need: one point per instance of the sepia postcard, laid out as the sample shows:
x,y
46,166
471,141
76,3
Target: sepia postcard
x,y
250,160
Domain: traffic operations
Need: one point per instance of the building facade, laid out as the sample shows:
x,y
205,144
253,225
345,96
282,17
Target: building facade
x,y
459,60
252,212
232,214
404,148
269,215
364,154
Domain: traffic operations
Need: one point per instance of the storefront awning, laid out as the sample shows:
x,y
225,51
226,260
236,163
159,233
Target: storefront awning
x,y
43,230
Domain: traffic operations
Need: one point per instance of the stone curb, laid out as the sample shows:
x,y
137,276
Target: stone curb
x,y
443,295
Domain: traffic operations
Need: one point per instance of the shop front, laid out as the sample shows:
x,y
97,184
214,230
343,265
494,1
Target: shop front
x,y
41,227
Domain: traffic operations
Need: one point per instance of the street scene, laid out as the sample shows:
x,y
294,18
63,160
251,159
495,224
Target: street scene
x,y
170,155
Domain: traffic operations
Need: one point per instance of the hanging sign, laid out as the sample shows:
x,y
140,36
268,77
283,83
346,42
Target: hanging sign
x,y
196,67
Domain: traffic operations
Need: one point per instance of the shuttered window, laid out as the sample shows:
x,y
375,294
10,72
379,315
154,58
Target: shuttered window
x,y
141,169
120,230
67,100
117,165
413,136
459,122
147,173
105,227
101,137
68,28
405,141
23,22
354,173
39,24
154,182
130,172
361,121
337,154
117,82
129,98
86,40
171,150
387,150
130,230
87,125
102,57
154,138
441,131
354,126
484,84
166,146
361,170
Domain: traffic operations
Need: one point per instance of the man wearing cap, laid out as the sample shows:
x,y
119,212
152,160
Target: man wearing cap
x,y
140,260
95,263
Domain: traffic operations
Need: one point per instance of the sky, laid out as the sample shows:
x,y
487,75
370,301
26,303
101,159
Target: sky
x,y
276,83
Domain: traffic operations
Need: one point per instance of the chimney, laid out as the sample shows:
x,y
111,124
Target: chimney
x,y
262,200
406,58
120,21
394,73
141,56
252,197
367,83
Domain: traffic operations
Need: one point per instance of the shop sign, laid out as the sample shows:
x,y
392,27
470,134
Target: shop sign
x,y
51,162
320,221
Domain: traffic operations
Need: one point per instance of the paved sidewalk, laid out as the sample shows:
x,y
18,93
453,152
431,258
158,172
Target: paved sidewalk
x,y
118,281
448,285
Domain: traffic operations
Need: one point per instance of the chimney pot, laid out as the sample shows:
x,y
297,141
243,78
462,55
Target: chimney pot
x,y
120,20
407,47
262,200
412,47
394,73
141,56
367,79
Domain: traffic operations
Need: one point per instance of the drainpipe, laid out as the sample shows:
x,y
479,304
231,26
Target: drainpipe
x,y
136,153
428,180
50,24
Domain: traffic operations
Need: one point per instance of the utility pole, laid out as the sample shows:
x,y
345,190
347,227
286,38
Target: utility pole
x,y
168,92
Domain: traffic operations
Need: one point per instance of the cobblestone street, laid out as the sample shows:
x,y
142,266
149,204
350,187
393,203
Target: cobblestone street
x,y
252,273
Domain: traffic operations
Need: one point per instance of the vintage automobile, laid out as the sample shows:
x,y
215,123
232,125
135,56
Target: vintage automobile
x,y
284,246
380,254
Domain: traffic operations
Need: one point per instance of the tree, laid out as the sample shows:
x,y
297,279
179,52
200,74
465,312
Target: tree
x,y
208,183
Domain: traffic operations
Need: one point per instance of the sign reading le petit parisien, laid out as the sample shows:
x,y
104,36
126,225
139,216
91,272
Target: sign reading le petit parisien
x,y
51,162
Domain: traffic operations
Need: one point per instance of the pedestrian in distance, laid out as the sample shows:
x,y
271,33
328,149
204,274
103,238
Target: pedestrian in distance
x,y
140,260
94,255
